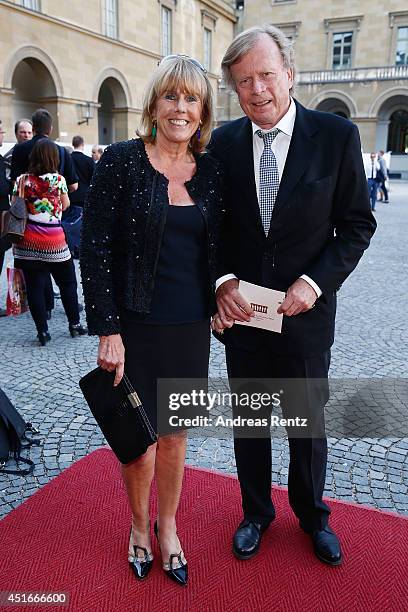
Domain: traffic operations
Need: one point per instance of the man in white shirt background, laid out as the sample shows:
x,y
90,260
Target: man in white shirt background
x,y
373,175
384,173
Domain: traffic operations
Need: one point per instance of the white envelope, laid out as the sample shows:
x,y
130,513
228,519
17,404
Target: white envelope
x,y
265,302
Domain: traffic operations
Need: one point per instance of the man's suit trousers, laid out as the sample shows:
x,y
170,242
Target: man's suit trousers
x,y
305,396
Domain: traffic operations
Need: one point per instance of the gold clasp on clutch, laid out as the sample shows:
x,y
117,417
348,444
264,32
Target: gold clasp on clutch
x,y
134,399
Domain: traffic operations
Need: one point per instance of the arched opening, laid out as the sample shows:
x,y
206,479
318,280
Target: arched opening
x,y
112,112
392,125
335,106
398,132
34,88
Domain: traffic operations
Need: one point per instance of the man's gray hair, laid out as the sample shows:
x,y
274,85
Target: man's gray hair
x,y
245,41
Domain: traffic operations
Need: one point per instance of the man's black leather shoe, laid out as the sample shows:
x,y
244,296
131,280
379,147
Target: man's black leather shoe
x,y
247,539
326,546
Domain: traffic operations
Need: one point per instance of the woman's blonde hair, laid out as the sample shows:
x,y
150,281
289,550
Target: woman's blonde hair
x,y
183,73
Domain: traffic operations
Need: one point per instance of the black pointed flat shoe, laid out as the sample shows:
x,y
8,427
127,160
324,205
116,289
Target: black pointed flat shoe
x,y
43,338
77,330
178,573
141,566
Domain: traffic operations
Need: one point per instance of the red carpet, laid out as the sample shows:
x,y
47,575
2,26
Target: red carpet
x,y
72,536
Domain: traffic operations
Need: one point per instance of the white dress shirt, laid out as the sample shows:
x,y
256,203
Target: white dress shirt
x,y
369,166
280,148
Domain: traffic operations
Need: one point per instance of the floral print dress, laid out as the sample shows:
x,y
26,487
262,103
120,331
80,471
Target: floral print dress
x,y
44,238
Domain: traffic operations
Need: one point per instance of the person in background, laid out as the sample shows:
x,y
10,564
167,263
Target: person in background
x,y
23,130
43,249
97,153
4,205
72,218
373,176
383,177
42,128
84,167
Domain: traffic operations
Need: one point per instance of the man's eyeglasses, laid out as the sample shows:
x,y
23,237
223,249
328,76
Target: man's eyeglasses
x,y
187,57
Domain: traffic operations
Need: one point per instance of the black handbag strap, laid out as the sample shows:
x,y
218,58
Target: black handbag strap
x,y
129,389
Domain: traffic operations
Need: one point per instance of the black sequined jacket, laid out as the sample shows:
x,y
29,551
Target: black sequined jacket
x,y
124,218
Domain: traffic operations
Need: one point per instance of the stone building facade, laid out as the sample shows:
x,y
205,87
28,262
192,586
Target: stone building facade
x,y
352,59
88,63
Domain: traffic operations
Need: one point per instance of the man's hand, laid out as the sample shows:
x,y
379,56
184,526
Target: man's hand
x,y
231,305
300,297
111,355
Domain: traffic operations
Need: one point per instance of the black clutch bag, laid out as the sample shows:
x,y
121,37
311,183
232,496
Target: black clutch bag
x,y
119,413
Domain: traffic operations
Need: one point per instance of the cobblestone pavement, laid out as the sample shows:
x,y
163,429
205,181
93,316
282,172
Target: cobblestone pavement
x,y
371,342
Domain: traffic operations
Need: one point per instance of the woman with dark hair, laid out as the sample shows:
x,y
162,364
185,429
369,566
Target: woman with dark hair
x,y
43,249
148,254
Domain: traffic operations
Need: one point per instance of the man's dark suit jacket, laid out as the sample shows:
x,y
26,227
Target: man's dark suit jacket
x,y
84,167
21,155
4,186
321,223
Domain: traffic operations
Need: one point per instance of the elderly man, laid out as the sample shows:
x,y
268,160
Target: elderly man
x,y
97,153
297,220
23,130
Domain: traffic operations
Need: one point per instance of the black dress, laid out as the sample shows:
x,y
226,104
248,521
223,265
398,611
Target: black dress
x,y
173,340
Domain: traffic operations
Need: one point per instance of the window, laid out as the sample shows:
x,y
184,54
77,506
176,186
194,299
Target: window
x,y
207,48
342,50
110,19
342,36
290,29
166,30
34,5
401,56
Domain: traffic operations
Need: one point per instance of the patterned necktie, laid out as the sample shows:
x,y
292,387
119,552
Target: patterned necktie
x,y
268,178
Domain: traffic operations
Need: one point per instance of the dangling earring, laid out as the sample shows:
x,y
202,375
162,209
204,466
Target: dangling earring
x,y
154,129
198,132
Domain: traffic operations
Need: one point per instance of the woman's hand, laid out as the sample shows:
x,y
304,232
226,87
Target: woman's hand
x,y
231,305
111,355
218,326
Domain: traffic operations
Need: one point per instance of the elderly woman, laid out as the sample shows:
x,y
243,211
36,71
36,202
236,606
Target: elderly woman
x,y
148,262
